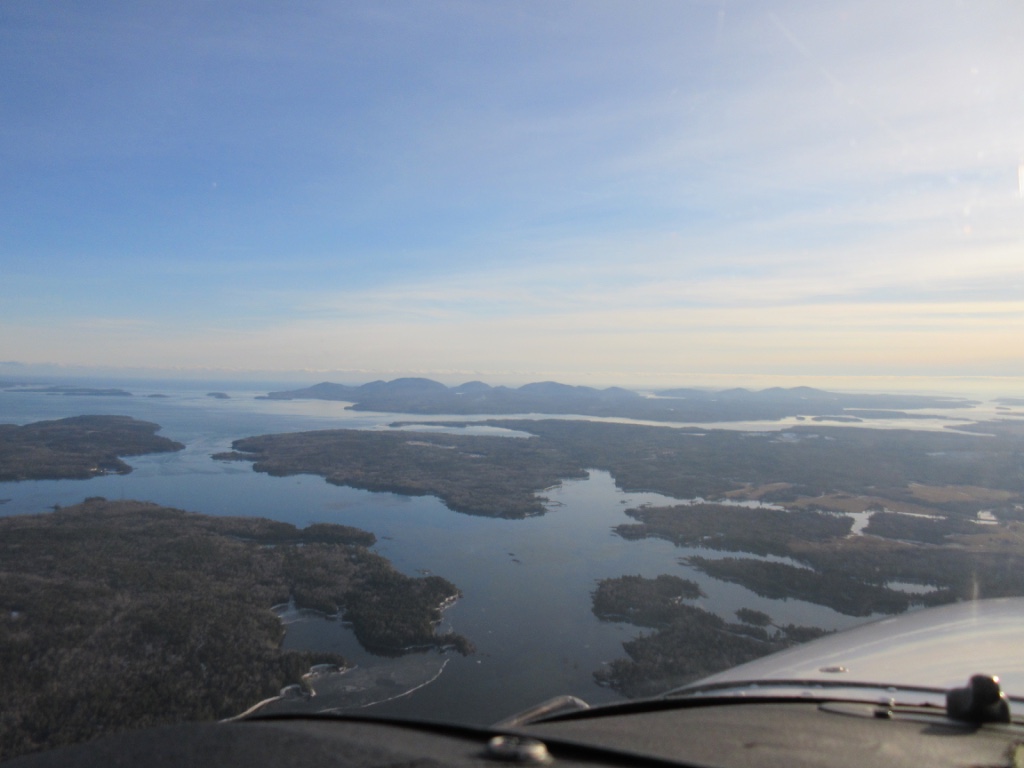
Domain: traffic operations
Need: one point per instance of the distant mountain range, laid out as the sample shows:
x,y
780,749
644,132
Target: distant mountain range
x,y
426,396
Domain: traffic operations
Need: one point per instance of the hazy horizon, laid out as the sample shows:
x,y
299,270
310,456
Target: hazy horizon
x,y
963,386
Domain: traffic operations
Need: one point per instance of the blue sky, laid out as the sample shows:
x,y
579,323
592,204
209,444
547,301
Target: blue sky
x,y
611,192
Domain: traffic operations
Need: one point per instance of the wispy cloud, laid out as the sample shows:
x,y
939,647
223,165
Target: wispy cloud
x,y
476,186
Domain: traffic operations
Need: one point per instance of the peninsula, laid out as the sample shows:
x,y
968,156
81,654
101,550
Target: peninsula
x,y
77,448
119,615
489,476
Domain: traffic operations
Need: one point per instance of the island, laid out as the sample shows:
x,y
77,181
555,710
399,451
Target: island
x,y
76,448
479,475
425,396
688,642
120,615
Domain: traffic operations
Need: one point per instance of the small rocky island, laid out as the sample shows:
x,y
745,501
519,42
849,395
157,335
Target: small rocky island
x,y
77,448
120,615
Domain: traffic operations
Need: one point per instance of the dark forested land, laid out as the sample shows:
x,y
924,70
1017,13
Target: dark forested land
x,y
644,602
119,615
492,476
956,558
688,642
76,448
817,467
425,396
811,460
733,529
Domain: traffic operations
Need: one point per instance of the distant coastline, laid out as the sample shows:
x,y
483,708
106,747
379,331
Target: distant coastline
x,y
425,396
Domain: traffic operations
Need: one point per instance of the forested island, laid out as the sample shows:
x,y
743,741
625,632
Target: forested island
x,y
688,642
76,448
425,396
489,476
119,615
